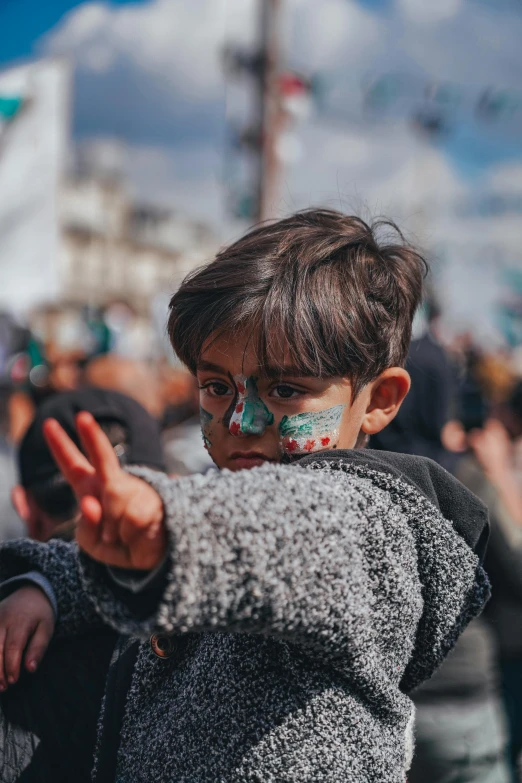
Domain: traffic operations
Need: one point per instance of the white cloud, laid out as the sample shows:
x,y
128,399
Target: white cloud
x,y
472,46
174,47
347,148
429,11
176,41
86,20
380,170
333,32
506,178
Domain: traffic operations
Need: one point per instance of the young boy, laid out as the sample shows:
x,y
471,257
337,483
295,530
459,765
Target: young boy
x,y
273,619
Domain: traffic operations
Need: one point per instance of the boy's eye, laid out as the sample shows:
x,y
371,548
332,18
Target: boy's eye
x,y
283,392
216,389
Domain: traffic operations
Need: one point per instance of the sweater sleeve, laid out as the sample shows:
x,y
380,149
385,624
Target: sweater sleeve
x,y
57,561
271,551
31,578
316,560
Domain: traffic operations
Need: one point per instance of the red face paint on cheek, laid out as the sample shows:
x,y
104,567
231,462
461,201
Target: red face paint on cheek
x,y
239,407
310,431
235,428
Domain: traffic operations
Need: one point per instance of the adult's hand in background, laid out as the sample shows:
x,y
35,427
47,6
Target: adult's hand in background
x,y
494,451
492,447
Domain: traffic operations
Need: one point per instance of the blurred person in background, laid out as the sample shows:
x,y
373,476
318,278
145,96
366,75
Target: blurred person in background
x,y
132,377
130,335
42,498
461,734
417,429
13,341
488,467
10,524
183,443
170,395
48,719
49,358
44,372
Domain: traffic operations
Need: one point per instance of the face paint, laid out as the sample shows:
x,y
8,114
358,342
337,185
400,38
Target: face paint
x,y
206,420
250,415
313,431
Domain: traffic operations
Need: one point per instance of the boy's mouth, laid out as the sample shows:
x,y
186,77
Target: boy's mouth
x,y
249,459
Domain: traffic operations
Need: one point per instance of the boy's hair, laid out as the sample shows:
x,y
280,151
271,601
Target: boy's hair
x,y
317,287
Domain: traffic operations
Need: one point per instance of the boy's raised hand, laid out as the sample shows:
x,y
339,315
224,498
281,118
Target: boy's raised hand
x,y
122,516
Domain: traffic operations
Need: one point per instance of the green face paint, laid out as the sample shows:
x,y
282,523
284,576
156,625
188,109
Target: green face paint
x,y
313,431
250,415
206,420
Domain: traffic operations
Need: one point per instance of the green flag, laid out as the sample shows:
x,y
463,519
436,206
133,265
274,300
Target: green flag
x,y
9,108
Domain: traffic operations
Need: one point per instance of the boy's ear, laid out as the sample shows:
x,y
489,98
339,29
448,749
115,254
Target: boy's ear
x,y
28,511
386,396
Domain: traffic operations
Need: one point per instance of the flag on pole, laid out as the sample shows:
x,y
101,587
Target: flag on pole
x,y
9,108
34,102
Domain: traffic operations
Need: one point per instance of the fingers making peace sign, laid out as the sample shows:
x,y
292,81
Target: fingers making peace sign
x,y
121,516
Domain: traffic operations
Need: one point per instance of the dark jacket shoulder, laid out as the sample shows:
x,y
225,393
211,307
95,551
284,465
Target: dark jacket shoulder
x,y
457,504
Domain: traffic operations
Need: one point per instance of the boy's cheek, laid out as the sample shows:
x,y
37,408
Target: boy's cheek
x,y
207,419
311,431
215,432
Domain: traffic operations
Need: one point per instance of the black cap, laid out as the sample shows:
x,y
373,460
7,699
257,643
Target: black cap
x,y
37,465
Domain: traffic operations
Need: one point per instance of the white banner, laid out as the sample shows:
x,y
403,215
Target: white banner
x,y
34,107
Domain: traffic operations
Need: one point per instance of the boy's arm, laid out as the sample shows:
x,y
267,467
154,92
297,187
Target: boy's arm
x,y
57,562
287,553
30,579
275,551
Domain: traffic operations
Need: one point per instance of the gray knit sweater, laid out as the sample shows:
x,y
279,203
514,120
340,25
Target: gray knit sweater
x,y
304,605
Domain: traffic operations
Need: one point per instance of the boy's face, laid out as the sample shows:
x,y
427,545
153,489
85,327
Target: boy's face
x,y
249,417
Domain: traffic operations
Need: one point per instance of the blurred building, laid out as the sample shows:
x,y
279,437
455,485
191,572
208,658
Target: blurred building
x,y
74,239
34,101
113,248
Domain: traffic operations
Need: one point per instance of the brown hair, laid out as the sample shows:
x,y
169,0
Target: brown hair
x,y
318,286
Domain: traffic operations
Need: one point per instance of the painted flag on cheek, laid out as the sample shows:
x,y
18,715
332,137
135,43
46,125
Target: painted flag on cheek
x,y
311,431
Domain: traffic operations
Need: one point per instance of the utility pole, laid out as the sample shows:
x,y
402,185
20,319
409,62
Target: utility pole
x,y
271,116
257,140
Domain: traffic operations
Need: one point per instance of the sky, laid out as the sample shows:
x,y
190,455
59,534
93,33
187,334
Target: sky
x,y
150,73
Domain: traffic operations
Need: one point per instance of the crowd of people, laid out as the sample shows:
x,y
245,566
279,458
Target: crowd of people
x,y
465,412
272,562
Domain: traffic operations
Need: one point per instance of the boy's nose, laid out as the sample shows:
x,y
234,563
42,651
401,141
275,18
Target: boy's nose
x,y
242,426
250,416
